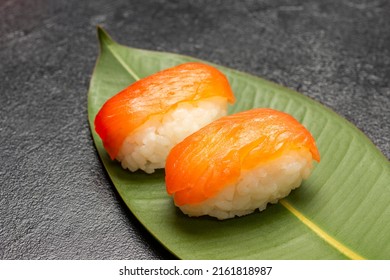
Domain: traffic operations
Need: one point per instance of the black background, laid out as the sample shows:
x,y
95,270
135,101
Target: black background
x,y
56,200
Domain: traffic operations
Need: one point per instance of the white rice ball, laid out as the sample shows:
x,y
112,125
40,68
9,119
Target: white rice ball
x,y
148,147
255,188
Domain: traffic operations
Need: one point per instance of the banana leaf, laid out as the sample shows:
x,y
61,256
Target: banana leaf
x,y
341,212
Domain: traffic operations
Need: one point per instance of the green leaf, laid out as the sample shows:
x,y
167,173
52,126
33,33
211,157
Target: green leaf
x,y
341,212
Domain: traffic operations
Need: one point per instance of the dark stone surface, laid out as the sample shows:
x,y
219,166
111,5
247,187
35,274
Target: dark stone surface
x,y
56,201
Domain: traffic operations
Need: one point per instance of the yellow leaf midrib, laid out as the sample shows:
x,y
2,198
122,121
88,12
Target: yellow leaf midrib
x,y
321,233
122,63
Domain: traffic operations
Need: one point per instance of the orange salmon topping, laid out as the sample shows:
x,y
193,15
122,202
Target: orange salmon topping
x,y
205,162
154,95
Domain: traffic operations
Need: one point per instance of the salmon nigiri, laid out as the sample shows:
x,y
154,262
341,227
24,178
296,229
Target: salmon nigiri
x,y
240,163
140,124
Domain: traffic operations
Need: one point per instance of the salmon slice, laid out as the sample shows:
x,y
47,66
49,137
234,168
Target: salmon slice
x,y
205,162
154,95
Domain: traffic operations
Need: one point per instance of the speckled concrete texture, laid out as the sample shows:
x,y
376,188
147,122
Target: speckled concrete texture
x,y
56,200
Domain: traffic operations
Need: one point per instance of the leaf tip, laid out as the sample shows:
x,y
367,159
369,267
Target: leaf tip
x,y
103,36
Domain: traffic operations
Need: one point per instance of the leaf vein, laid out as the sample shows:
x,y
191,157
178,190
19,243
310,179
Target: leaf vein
x,y
321,233
123,63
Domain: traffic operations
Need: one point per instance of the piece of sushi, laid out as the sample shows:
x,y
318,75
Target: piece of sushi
x,y
240,163
141,124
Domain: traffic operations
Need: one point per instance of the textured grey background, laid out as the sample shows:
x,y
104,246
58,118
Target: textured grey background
x,y
56,201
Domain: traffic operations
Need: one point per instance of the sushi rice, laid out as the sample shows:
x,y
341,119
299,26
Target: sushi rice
x,y
148,147
255,188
